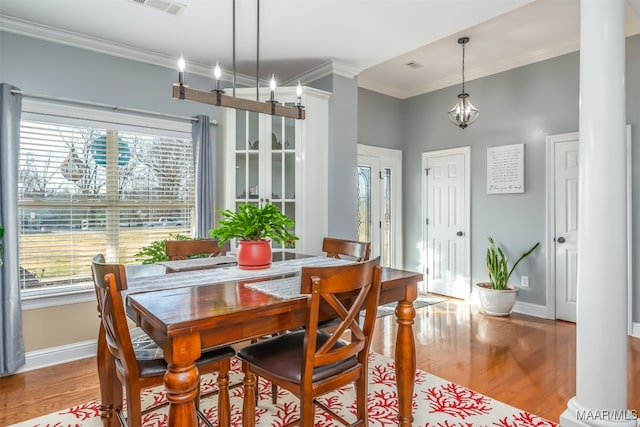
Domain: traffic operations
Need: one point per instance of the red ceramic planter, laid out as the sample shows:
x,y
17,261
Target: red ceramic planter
x,y
254,254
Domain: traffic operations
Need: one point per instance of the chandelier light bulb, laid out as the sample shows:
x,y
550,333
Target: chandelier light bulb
x,y
217,72
181,66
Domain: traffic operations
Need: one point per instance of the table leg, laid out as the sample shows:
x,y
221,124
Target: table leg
x,y
182,379
405,361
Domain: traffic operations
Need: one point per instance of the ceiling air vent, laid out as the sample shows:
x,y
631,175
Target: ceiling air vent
x,y
170,7
413,65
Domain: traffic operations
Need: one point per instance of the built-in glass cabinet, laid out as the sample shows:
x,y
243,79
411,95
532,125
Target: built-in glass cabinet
x,y
284,161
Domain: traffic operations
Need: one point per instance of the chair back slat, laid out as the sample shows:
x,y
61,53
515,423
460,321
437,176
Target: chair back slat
x,y
183,249
345,290
340,248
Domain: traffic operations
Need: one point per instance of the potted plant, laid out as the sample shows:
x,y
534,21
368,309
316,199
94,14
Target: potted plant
x,y
497,297
253,225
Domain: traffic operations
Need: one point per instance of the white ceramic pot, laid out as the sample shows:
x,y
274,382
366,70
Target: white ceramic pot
x,y
496,302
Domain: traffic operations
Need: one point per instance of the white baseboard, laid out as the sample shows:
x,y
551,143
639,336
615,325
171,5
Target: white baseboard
x,y
635,330
536,310
56,355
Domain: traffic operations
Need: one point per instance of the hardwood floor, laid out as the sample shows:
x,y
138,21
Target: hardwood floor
x,y
524,361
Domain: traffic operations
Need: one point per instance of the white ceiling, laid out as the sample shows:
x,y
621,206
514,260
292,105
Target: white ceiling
x,y
301,39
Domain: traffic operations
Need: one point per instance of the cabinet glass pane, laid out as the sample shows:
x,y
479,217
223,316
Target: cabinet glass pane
x,y
290,211
254,129
276,175
241,175
290,175
253,175
276,133
289,134
241,130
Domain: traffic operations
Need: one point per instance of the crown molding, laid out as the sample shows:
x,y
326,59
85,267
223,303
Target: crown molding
x,y
80,41
331,67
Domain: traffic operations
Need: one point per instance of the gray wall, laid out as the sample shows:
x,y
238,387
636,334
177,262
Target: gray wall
x,y
520,106
343,149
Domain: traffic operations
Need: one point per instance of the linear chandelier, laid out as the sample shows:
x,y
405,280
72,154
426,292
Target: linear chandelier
x,y
217,97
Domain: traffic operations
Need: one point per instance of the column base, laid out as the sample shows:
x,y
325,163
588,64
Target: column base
x,y
577,415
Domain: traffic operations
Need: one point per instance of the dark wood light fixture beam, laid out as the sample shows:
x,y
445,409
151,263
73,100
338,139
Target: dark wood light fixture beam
x,y
218,98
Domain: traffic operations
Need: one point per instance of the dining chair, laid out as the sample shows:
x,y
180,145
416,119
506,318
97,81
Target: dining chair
x,y
136,367
183,249
353,249
312,362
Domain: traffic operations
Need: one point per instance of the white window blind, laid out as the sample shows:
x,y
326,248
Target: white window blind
x,y
85,190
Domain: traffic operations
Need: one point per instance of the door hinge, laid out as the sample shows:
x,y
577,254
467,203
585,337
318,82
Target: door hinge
x,y
380,224
426,171
427,221
427,271
380,174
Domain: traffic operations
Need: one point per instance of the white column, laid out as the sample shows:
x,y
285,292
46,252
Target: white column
x,y
601,327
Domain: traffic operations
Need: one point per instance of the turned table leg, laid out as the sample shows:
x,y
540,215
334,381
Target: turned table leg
x,y
405,361
181,380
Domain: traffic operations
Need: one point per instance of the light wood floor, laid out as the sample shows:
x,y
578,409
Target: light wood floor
x,y
524,361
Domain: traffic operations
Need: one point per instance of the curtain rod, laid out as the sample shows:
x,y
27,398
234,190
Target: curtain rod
x,y
107,106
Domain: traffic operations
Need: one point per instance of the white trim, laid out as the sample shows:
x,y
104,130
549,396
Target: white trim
x,y
80,41
328,68
391,158
635,329
56,355
466,150
75,114
34,302
536,310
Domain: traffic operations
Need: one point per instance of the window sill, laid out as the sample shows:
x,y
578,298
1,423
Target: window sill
x,y
43,300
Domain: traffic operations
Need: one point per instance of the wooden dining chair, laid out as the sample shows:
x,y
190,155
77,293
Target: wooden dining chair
x,y
183,249
353,249
134,369
312,362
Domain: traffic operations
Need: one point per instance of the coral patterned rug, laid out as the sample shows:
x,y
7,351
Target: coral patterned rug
x,y
436,403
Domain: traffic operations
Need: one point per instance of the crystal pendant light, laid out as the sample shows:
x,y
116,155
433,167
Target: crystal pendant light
x,y
463,113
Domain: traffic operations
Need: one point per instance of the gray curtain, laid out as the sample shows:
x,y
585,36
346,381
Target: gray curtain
x,y
11,343
204,156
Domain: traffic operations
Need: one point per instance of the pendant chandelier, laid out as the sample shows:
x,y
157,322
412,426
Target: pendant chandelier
x,y
463,113
218,97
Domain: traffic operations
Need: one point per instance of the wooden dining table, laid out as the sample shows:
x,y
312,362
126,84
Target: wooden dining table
x,y
186,320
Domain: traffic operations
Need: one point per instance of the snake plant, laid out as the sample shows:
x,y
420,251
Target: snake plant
x,y
498,265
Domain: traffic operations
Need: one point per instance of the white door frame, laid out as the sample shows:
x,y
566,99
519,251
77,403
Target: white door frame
x,y
392,159
467,215
550,309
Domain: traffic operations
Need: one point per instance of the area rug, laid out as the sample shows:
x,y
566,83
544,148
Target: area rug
x,y
436,403
421,301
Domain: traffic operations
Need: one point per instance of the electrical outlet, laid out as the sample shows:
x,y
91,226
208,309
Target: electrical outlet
x,y
524,281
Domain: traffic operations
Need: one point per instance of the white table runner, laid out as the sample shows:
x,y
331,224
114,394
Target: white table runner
x,y
224,274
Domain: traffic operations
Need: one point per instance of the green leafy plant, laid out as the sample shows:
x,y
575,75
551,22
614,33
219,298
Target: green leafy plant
x,y
498,265
1,245
156,251
255,222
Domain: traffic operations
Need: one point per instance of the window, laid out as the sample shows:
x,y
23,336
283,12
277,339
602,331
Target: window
x,y
87,186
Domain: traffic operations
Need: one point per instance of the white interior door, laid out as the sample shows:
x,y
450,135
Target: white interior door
x,y
566,226
447,222
564,217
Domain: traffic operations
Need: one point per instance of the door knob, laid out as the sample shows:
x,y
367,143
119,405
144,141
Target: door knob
x,y
459,233
560,240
